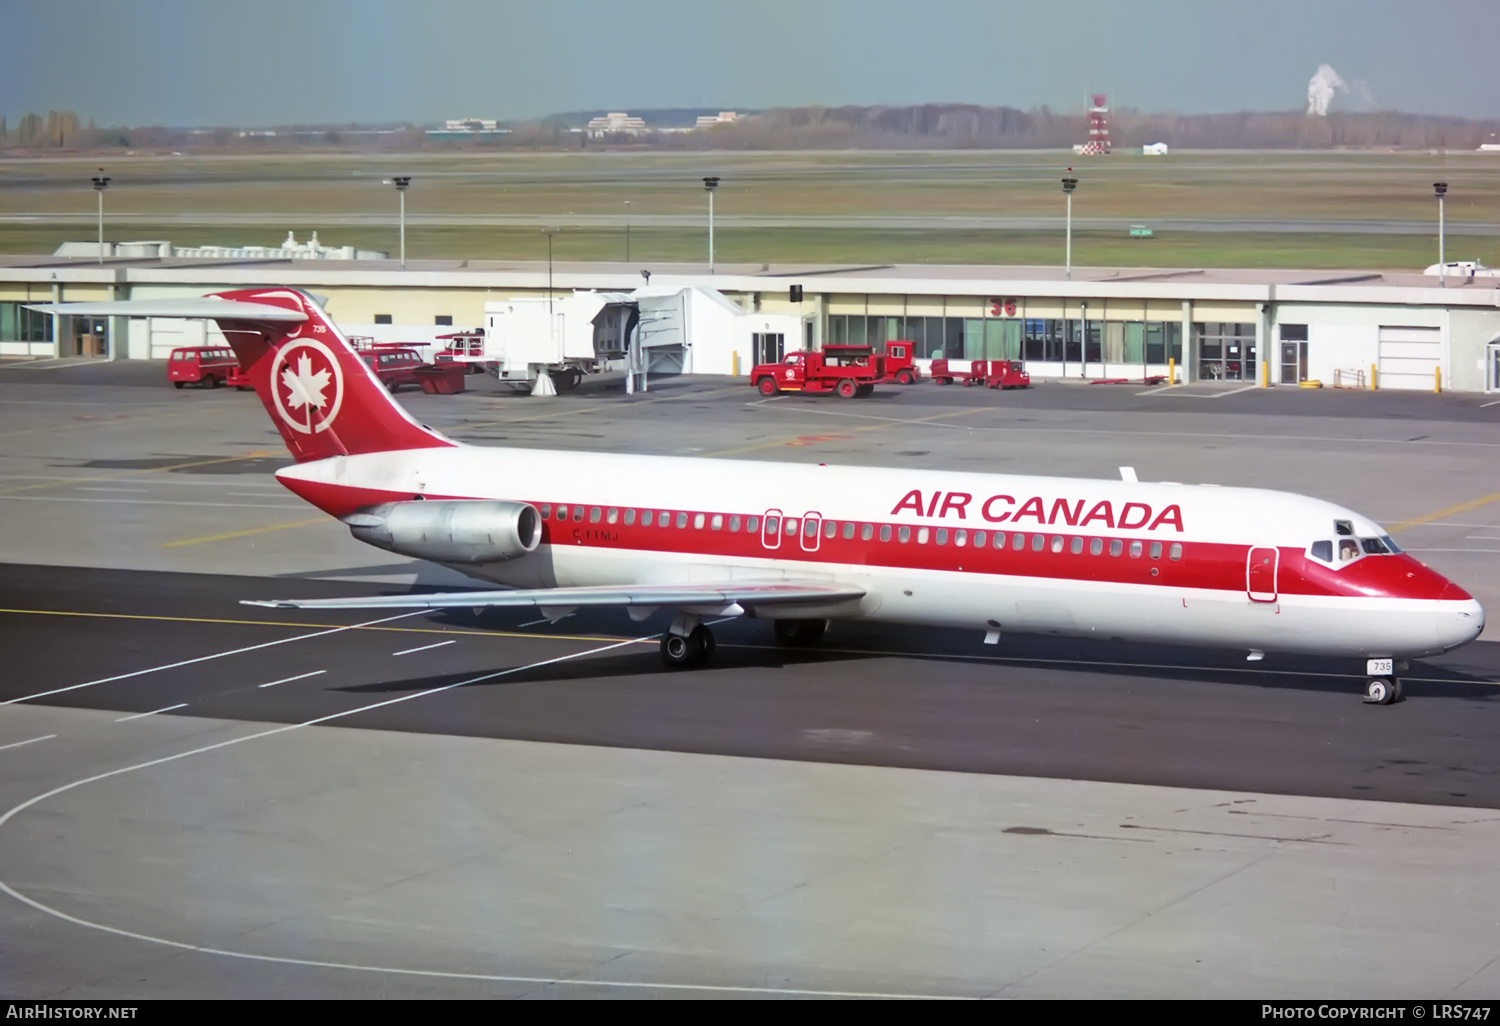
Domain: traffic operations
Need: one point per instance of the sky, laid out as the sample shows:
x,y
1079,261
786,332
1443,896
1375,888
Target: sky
x,y
267,62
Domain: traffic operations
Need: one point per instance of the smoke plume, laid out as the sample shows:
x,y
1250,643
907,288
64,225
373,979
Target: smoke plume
x,y
1321,89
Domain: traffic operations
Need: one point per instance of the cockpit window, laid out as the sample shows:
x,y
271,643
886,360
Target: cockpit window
x,y
1323,550
1390,545
1374,546
1343,528
1348,550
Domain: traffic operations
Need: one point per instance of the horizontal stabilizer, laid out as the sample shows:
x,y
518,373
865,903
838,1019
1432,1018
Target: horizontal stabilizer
x,y
188,306
724,593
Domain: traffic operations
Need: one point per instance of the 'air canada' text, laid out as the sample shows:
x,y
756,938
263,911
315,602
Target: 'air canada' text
x,y
1000,509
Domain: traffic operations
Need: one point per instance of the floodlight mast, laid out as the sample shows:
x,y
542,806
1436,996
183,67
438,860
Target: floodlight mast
x,y
1069,183
101,182
401,182
710,183
1440,190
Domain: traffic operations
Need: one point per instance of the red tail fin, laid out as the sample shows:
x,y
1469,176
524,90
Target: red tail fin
x,y
321,396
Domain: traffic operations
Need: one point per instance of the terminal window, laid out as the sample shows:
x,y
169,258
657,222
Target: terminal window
x,y
382,318
443,320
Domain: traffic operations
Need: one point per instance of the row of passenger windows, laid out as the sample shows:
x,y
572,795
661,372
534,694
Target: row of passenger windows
x,y
848,529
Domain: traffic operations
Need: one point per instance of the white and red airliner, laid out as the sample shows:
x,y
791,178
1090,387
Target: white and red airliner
x,y
1257,570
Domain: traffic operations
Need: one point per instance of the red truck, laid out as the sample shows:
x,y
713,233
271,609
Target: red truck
x,y
990,373
207,366
898,364
848,371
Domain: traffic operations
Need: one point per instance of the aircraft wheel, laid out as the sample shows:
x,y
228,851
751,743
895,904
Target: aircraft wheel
x,y
706,643
680,652
1379,691
798,633
767,386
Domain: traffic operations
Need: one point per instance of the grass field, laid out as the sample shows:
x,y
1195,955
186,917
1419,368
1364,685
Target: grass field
x,y
243,197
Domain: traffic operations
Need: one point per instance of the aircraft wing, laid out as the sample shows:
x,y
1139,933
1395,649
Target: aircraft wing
x,y
719,595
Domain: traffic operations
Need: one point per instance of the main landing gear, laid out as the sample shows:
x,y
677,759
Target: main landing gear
x,y
688,643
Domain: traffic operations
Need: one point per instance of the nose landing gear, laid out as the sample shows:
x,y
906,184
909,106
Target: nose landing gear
x,y
1382,691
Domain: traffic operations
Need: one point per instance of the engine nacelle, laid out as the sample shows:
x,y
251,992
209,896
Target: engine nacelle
x,y
451,530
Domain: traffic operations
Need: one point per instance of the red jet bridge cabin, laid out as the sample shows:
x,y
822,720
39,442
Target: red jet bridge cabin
x,y
848,371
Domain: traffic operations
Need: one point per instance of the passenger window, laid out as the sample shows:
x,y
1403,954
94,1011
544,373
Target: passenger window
x,y
698,522
562,512
594,514
790,526
1135,550
1076,545
904,534
921,536
1017,541
942,536
960,537
830,528
1038,543
629,517
645,518
717,523
1057,543
1176,550
664,519
752,525
809,529
885,532
1116,546
1096,546
577,513
681,521
734,522
866,532
611,515
848,530
1156,550
979,539
772,524
546,510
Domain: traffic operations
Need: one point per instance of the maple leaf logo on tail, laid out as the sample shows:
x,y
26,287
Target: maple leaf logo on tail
x,y
307,385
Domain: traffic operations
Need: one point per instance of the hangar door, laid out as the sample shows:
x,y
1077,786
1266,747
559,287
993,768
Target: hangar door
x,y
1410,357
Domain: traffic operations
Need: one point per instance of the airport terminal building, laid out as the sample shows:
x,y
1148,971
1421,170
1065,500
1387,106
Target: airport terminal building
x,y
1408,331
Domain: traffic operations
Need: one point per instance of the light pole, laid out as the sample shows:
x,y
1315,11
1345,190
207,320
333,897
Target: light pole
x,y
549,232
1083,348
1440,189
401,182
710,184
1069,183
627,231
101,182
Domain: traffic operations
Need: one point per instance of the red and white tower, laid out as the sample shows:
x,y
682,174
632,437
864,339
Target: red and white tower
x,y
1098,144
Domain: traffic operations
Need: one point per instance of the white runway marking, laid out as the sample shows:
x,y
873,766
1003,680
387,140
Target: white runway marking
x,y
153,712
216,655
423,648
1233,391
1495,403
111,488
288,680
638,985
30,741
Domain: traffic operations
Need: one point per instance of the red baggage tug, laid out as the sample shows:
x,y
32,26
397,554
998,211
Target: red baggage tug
x,y
990,373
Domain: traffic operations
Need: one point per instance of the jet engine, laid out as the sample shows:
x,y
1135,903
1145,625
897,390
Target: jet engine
x,y
450,531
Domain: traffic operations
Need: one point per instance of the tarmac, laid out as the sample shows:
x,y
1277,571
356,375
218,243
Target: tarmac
x,y
199,799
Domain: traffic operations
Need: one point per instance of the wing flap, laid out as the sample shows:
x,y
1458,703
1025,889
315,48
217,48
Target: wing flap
x,y
188,306
676,595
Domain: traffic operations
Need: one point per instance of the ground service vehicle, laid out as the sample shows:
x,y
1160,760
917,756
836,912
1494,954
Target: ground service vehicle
x,y
991,373
898,364
848,371
393,365
206,366
1161,563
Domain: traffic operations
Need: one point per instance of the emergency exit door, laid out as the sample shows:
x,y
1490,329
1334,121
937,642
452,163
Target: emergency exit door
x,y
1260,574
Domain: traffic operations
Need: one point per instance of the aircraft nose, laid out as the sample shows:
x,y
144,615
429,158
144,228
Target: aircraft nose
x,y
1460,622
